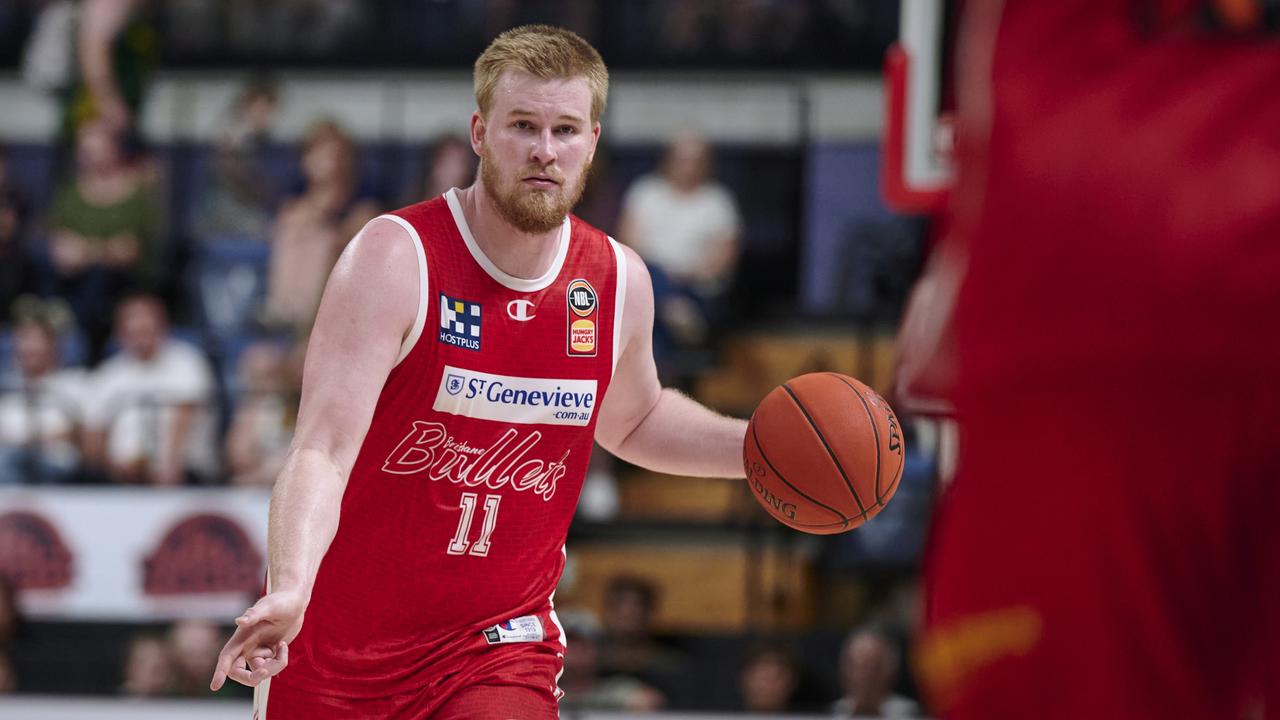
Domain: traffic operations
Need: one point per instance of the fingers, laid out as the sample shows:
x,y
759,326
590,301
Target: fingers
x,y
232,653
259,669
251,667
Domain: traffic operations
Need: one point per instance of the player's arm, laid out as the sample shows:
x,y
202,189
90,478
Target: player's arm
x,y
369,305
655,427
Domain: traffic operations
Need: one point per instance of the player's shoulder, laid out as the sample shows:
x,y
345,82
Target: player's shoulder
x,y
383,255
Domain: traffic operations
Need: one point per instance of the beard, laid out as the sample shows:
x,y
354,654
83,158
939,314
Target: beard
x,y
530,210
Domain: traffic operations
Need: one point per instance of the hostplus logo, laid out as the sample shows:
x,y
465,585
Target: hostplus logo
x,y
459,322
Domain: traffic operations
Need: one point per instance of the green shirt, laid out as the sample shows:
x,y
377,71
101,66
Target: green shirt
x,y
137,213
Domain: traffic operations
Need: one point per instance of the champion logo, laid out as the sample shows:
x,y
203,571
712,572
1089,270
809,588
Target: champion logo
x,y
520,310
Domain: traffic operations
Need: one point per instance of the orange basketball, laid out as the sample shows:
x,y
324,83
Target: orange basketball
x,y
823,453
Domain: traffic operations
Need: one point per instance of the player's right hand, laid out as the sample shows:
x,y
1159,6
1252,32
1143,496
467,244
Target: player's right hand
x,y
259,648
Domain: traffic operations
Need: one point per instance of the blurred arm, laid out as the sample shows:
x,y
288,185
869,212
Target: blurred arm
x,y
100,22
241,445
655,427
169,468
369,305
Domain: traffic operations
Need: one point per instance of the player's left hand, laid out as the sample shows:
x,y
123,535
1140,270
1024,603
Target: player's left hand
x,y
259,648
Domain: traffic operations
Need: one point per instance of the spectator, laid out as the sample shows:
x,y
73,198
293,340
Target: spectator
x,y
262,426
97,55
451,163
313,228
14,645
240,198
868,671
148,419
102,230
582,683
149,670
631,647
194,646
116,49
39,419
769,680
8,676
685,225
13,256
10,617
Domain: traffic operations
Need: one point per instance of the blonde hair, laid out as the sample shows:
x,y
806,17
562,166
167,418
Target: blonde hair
x,y
542,51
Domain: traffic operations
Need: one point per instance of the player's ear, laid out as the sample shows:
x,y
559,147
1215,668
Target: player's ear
x,y
595,140
477,131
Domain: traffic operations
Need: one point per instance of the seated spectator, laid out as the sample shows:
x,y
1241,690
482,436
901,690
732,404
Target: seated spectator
x,y
8,676
769,680
451,163
14,272
103,227
40,418
685,225
149,669
148,417
194,646
15,645
630,645
266,409
10,617
313,228
868,671
583,685
240,197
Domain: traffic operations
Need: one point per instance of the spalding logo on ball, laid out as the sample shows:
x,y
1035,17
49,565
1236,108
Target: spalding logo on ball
x,y
823,453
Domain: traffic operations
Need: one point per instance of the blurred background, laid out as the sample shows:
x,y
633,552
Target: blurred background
x,y
178,177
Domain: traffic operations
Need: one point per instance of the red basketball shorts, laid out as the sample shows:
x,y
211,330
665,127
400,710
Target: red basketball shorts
x,y
498,685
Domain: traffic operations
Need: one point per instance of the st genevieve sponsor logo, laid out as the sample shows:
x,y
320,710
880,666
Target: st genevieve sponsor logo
x,y
583,305
523,400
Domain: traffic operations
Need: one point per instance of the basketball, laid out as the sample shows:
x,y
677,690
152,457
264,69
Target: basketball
x,y
823,453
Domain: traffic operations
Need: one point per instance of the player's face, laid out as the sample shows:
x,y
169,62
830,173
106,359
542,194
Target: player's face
x,y
535,145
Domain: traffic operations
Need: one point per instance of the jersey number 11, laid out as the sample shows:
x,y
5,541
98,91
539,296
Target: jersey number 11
x,y
459,544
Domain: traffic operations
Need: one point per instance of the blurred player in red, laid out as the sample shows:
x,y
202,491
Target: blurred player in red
x,y
1109,548
454,382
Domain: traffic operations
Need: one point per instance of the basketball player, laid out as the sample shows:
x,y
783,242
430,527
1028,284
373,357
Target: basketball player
x,y
1108,548
467,351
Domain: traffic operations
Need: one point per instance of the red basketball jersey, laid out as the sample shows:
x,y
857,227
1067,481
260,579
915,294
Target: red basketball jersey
x,y
451,538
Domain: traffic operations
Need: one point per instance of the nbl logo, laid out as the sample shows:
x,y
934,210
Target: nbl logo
x,y
582,298
582,302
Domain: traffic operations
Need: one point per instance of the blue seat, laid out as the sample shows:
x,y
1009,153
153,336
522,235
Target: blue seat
x,y
230,281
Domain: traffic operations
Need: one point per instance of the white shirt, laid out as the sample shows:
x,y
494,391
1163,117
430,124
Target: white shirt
x,y
133,399
47,411
675,230
894,707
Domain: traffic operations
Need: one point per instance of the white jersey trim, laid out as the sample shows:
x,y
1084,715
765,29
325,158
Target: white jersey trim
x,y
564,642
509,281
262,690
619,301
421,320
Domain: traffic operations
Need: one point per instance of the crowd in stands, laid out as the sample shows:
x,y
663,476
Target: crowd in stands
x,y
150,342
146,345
